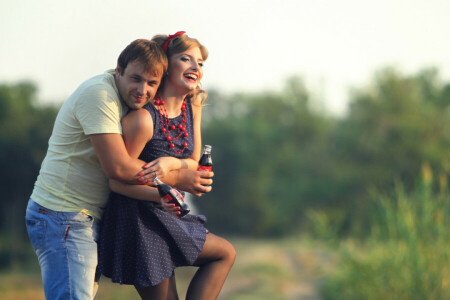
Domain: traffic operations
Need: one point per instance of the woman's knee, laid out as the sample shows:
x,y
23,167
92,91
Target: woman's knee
x,y
216,249
229,252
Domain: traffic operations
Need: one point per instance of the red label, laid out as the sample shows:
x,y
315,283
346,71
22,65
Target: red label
x,y
168,197
204,168
177,193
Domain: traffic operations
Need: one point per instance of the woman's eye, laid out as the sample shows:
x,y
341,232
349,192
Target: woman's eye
x,y
184,58
200,64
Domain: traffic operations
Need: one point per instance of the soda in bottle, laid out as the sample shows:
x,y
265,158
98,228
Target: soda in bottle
x,y
205,162
169,193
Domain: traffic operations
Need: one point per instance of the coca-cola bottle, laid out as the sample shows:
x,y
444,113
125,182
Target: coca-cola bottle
x,y
173,195
205,162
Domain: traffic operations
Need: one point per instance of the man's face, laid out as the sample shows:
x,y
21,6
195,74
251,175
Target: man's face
x,y
137,86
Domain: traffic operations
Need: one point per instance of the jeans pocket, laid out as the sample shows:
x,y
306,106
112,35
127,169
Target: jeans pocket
x,y
79,228
78,219
36,231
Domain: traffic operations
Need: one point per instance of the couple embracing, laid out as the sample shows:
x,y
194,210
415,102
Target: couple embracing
x,y
94,208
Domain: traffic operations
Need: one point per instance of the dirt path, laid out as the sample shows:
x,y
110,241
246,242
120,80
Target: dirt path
x,y
276,270
305,286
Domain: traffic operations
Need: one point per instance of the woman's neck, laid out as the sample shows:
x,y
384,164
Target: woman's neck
x,y
173,101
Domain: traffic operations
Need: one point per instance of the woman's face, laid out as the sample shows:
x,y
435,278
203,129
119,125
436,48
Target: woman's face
x,y
186,69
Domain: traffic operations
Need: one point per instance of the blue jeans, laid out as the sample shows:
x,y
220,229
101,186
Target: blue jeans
x,y
66,247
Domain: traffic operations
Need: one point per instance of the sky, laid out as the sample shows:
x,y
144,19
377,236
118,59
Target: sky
x,y
254,46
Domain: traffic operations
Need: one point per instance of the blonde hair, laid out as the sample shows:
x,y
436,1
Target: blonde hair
x,y
180,44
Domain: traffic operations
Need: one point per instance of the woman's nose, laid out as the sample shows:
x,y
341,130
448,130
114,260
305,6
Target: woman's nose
x,y
195,65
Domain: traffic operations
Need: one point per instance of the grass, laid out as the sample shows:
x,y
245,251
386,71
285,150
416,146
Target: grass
x,y
408,254
264,269
407,257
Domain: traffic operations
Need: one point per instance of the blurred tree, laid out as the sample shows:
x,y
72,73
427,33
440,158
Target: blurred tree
x,y
275,158
263,145
24,131
393,126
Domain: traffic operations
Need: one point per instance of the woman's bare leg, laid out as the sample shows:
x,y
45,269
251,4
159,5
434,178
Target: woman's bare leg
x,y
172,292
215,262
157,292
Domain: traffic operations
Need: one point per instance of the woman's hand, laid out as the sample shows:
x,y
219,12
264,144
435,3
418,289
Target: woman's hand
x,y
170,207
195,182
161,167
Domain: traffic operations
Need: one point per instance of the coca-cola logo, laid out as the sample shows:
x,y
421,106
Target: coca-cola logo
x,y
178,195
168,197
205,168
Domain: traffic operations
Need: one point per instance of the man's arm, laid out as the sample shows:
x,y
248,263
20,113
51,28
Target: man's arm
x,y
119,165
114,158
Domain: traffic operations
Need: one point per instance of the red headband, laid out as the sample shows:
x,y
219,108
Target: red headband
x,y
171,37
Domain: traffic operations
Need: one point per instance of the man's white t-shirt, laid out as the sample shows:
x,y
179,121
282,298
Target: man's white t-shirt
x,y
71,178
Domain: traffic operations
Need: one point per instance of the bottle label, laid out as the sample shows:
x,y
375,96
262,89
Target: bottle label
x,y
168,197
204,168
177,195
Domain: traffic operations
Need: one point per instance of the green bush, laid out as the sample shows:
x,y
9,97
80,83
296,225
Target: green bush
x,y
407,254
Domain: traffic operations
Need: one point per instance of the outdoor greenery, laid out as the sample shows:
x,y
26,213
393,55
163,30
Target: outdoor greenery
x,y
277,159
284,168
407,255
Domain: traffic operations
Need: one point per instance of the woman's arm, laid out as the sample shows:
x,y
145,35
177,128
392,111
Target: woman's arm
x,y
203,182
137,128
197,115
163,165
140,192
143,192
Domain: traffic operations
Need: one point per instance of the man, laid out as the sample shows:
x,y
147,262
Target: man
x,y
85,150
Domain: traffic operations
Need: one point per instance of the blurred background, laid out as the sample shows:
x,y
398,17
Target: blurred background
x,y
330,127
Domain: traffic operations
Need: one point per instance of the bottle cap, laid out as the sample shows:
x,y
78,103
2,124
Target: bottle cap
x,y
157,181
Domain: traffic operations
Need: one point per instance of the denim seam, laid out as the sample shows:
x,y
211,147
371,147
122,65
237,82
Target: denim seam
x,y
68,268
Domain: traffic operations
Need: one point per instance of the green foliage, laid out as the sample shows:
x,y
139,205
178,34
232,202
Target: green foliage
x,y
282,166
264,152
406,257
24,132
276,158
393,127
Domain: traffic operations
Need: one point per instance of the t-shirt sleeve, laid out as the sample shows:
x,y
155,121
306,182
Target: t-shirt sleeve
x,y
99,111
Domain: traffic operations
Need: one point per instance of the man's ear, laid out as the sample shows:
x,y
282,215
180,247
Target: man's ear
x,y
118,70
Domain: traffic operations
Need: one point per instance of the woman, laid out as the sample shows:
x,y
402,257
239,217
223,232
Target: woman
x,y
142,242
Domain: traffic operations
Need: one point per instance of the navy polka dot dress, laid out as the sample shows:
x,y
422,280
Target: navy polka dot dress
x,y
140,243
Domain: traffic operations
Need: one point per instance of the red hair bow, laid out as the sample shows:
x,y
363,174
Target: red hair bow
x,y
171,37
